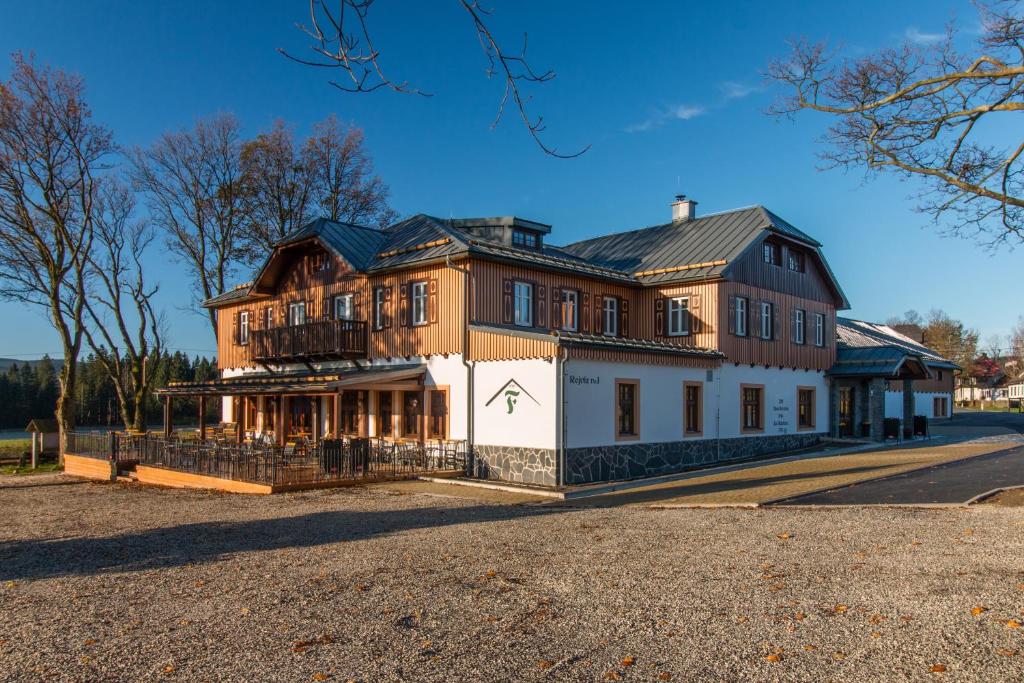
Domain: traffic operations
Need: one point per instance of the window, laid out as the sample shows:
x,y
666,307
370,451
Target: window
x,y
570,310
627,406
819,329
385,413
799,325
318,261
692,409
524,238
752,408
940,406
268,317
610,310
438,426
940,375
767,311
678,316
243,327
412,410
343,307
771,253
805,407
297,313
741,317
380,320
419,303
350,411
524,304
796,261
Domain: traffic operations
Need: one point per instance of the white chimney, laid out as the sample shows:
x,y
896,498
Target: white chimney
x,y
683,209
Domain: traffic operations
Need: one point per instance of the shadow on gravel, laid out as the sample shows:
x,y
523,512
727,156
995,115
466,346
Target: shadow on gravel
x,y
210,541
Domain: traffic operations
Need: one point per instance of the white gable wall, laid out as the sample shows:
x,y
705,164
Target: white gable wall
x,y
532,420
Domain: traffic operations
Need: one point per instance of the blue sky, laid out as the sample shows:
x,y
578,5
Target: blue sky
x,y
670,98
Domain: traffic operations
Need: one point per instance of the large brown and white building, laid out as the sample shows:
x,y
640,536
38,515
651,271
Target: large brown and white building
x,y
701,340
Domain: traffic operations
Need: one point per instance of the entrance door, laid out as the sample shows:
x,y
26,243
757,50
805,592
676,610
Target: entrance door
x,y
845,411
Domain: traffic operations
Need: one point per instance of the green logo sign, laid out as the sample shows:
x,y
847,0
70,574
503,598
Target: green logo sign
x,y
510,399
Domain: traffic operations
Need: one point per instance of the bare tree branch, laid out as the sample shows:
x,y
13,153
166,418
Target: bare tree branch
x,y
916,111
342,40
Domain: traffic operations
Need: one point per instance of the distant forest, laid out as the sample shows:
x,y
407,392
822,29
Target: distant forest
x,y
28,390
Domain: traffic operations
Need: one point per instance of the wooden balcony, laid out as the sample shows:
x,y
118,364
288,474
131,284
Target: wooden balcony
x,y
322,340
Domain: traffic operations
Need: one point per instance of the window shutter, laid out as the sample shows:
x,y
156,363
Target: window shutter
x,y
507,311
659,316
623,317
694,310
585,313
403,305
830,329
328,308
754,314
792,326
387,308
556,308
599,315
732,314
776,333
357,305
234,327
432,301
540,307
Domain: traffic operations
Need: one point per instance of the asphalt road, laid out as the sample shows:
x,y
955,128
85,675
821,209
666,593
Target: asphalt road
x,y
955,482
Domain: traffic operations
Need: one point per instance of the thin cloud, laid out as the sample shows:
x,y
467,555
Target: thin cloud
x,y
678,112
734,90
914,35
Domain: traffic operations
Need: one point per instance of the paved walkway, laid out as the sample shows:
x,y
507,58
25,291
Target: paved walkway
x,y
955,482
764,483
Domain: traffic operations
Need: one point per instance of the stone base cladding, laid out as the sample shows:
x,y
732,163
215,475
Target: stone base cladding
x,y
630,461
516,464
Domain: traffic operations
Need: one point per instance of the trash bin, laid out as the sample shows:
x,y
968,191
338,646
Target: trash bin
x,y
891,428
920,425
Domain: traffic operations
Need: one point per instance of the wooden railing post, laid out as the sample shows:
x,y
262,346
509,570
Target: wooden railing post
x,y
112,446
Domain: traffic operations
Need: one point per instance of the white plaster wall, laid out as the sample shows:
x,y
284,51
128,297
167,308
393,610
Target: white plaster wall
x,y
533,421
924,403
590,401
780,390
452,373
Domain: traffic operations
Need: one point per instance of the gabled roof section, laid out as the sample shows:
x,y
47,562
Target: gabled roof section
x,y
357,244
237,294
420,238
881,339
689,250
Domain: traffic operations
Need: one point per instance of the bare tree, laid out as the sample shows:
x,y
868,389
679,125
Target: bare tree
x,y
50,154
124,330
922,112
342,41
343,184
277,186
195,192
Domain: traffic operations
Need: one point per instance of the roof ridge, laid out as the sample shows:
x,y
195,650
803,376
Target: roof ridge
x,y
669,224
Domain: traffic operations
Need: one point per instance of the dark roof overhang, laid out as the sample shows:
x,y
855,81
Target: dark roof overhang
x,y
328,382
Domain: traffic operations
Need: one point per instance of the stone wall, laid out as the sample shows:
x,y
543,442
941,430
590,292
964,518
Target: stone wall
x,y
629,461
516,464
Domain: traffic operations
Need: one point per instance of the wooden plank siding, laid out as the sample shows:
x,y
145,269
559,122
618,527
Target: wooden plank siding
x,y
442,335
703,302
930,385
751,269
486,346
782,351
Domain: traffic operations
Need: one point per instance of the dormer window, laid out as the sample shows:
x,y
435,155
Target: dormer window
x,y
771,253
319,261
525,239
796,261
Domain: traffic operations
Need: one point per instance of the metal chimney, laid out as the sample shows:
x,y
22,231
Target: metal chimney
x,y
683,209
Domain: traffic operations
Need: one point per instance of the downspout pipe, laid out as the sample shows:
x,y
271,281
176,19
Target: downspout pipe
x,y
469,284
563,354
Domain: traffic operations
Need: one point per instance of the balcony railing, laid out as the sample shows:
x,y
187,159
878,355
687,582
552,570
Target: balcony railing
x,y
317,340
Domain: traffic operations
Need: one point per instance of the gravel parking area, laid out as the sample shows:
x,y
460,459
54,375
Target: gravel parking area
x,y
119,582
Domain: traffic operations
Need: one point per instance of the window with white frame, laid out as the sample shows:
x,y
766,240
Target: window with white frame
x,y
767,319
610,311
378,308
419,303
799,326
268,317
343,307
297,313
741,316
570,310
678,316
524,304
819,329
243,327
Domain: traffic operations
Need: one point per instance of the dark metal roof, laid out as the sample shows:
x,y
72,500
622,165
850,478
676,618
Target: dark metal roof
x,y
598,341
239,292
357,244
292,382
858,334
875,361
715,239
